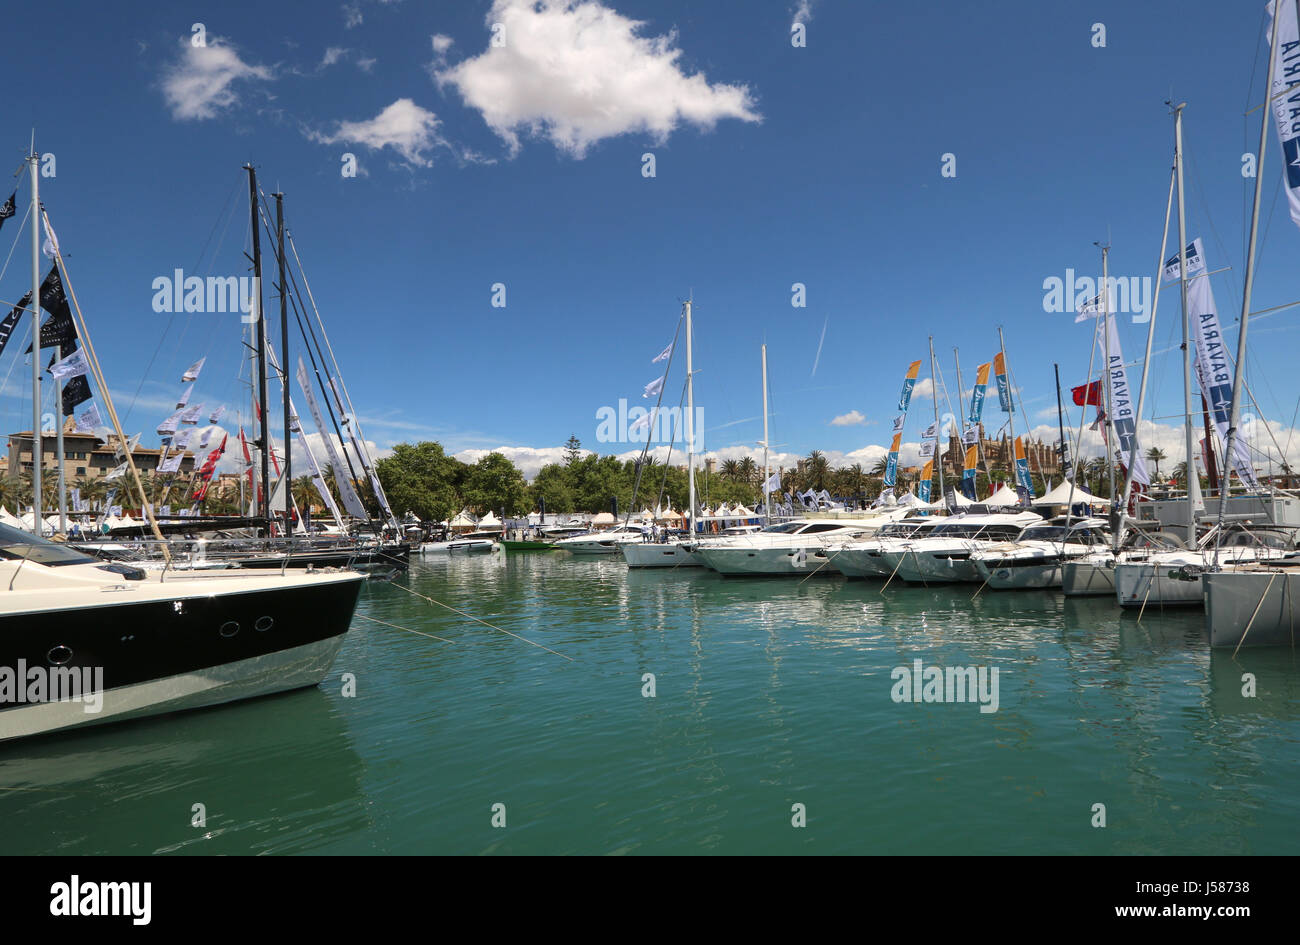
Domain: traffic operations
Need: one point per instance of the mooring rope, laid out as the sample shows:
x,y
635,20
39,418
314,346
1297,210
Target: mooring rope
x,y
484,622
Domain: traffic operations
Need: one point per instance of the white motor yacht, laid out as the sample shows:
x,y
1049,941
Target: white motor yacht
x,y
943,554
800,547
1035,558
865,557
602,543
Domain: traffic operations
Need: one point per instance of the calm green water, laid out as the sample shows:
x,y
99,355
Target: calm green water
x,y
769,693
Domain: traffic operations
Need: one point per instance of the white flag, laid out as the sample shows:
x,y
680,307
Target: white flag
x,y
663,355
654,387
117,473
185,397
74,365
642,422
927,449
773,483
192,415
182,439
51,245
215,416
931,432
89,420
898,423
206,438
169,425
192,372
171,464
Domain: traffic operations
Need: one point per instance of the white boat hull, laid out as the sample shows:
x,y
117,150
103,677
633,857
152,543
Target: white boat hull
x,y
766,561
856,563
659,555
1152,584
1088,579
1251,608
1020,576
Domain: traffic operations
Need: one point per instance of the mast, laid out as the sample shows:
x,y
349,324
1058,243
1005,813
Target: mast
x,y
1237,378
58,447
767,473
1193,480
1011,410
284,361
1151,332
264,499
38,441
1060,423
934,396
1111,438
690,421
963,415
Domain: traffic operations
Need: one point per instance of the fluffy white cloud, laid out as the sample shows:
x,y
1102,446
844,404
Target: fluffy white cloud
x,y
200,84
332,55
851,419
441,44
803,12
577,72
405,127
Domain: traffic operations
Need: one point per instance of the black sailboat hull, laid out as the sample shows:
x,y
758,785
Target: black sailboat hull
x,y
149,657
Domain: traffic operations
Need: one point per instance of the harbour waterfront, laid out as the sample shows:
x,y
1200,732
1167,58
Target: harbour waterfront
x,y
768,693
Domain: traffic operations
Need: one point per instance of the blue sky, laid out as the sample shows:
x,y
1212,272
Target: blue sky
x,y
522,165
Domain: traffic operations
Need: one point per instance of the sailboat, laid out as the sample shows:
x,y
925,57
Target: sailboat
x,y
672,554
106,642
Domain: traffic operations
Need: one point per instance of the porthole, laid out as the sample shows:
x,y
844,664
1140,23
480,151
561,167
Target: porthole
x,y
229,628
264,623
58,655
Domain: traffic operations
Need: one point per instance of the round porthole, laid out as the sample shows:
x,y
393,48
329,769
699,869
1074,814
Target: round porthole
x,y
264,623
229,628
58,655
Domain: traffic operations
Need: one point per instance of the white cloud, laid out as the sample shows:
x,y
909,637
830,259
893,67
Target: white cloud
x,y
529,459
441,44
351,15
366,64
332,55
199,84
851,419
405,127
577,72
803,13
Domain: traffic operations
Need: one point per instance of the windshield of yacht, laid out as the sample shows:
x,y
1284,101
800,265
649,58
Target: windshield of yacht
x,y
784,528
17,544
1076,535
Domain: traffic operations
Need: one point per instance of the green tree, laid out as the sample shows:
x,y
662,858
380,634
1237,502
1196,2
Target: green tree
x,y
1156,456
420,478
495,483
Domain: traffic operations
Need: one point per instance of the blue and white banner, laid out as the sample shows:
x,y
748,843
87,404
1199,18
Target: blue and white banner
x,y
1122,406
1284,97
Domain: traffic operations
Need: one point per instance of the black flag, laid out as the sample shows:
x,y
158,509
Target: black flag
x,y
8,209
58,328
76,391
11,321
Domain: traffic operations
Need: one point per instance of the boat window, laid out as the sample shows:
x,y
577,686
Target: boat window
x,y
783,529
16,544
820,527
1000,532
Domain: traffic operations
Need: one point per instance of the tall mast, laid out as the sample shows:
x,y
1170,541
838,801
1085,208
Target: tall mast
x,y
963,414
1060,423
934,396
767,473
284,361
1237,379
58,447
1011,407
264,499
38,445
1151,332
1105,353
690,421
1193,480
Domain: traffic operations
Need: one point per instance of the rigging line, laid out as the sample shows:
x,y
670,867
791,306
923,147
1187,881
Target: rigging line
x,y
672,352
432,636
171,320
356,421
1190,164
485,623
663,481
17,239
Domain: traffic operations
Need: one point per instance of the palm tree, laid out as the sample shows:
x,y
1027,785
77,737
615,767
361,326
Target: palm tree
x,y
1156,456
817,468
730,469
879,467
748,470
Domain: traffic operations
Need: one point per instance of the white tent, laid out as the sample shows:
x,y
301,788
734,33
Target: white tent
x,y
604,518
1005,496
463,520
742,512
489,521
10,519
27,521
1061,495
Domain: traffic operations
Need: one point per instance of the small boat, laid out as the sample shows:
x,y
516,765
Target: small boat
x,y
601,543
1035,558
469,543
1093,575
1173,578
